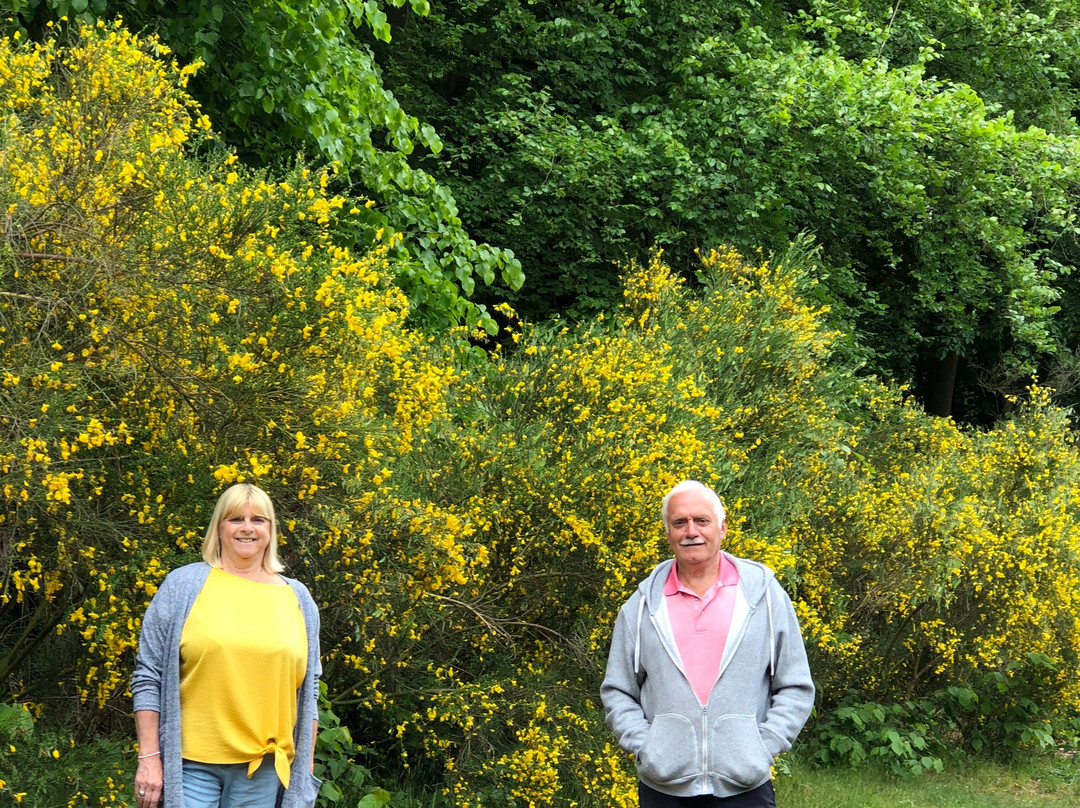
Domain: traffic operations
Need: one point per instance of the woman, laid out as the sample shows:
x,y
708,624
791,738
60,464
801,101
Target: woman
x,y
226,678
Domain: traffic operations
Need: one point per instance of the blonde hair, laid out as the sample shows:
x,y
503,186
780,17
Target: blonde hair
x,y
229,504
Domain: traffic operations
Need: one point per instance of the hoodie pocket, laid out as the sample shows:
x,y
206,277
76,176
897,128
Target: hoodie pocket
x,y
670,752
736,752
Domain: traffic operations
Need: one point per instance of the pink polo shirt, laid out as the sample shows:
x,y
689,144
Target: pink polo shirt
x,y
701,624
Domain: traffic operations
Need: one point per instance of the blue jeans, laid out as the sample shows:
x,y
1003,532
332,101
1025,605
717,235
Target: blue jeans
x,y
226,785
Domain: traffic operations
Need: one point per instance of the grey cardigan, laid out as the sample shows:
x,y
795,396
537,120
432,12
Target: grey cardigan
x,y
155,685
757,706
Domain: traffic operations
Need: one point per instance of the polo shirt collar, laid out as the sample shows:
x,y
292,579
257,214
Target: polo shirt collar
x,y
728,576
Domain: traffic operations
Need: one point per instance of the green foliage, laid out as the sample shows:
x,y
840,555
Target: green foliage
x,y
46,767
346,783
585,133
1001,715
1018,57
544,153
1002,712
900,737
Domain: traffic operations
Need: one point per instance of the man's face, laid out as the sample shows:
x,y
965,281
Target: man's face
x,y
693,532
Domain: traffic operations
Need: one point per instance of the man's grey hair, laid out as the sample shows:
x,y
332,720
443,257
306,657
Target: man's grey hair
x,y
693,485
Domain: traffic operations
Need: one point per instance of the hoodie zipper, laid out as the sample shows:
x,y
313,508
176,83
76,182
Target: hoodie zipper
x,y
705,744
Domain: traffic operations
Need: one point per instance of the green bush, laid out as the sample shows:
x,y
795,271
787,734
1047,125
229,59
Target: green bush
x,y
1003,712
901,737
47,767
346,782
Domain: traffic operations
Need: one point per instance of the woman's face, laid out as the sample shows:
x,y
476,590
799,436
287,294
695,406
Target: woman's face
x,y
244,537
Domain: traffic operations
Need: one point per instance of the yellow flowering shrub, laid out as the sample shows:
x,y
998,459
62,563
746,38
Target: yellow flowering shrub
x,y
919,554
947,552
538,495
169,324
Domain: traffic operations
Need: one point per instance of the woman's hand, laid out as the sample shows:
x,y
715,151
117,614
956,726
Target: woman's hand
x,y
149,775
149,782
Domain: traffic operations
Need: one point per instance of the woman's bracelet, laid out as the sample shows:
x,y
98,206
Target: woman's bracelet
x,y
148,754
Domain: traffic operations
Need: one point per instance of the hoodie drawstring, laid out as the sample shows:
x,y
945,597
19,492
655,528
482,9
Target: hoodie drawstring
x,y
772,633
637,636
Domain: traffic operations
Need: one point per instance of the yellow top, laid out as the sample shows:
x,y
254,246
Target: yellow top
x,y
243,655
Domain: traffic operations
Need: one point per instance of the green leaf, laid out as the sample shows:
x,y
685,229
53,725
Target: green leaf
x,y
330,791
376,799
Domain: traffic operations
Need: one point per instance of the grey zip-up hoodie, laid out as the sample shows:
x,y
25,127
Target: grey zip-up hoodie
x,y
757,706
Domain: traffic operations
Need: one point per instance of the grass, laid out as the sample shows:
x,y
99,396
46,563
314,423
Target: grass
x,y
1045,782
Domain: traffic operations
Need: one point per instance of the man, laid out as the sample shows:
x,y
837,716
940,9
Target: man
x,y
707,679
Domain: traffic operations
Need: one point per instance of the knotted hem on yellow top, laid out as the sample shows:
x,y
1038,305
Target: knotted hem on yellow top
x,y
281,762
243,656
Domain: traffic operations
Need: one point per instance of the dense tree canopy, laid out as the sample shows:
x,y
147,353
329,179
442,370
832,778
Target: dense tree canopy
x,y
929,147
581,133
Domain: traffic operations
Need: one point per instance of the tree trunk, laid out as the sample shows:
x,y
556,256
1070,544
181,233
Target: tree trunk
x,y
939,384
